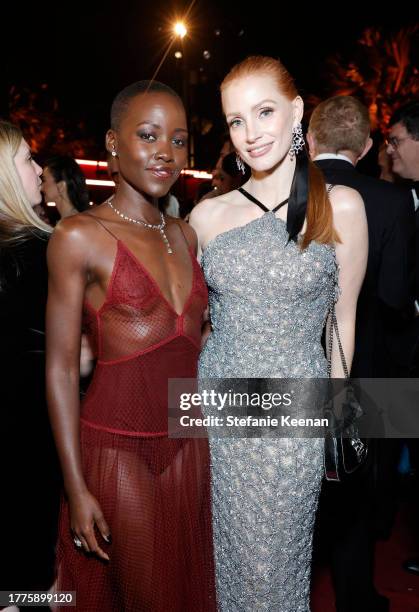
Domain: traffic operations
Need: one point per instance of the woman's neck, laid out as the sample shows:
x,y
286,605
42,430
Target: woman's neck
x,y
135,204
274,186
66,208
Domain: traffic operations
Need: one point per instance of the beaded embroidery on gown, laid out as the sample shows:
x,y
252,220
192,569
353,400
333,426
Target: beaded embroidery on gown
x,y
268,303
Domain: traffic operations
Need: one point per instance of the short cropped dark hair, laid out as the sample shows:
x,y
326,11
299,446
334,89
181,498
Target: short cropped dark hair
x,y
122,100
408,115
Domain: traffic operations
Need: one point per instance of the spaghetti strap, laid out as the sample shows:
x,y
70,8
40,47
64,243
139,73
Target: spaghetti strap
x,y
103,225
183,234
253,199
259,203
330,187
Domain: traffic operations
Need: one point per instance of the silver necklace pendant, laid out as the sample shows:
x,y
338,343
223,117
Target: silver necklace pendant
x,y
156,226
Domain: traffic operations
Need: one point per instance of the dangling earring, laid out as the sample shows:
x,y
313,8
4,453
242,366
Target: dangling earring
x,y
297,140
113,152
240,164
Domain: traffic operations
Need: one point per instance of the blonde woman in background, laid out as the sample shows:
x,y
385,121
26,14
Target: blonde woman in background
x,y
29,478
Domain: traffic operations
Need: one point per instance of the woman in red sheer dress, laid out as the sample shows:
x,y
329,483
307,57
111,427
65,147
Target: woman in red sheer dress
x,y
135,527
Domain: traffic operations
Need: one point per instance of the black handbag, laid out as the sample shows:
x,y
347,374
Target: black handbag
x,y
345,451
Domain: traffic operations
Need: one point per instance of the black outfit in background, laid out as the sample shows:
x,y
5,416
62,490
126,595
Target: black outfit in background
x,y
352,513
413,336
29,473
415,186
414,364
386,289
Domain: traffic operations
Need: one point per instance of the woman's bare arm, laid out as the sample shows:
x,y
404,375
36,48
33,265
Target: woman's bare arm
x,y
68,254
351,223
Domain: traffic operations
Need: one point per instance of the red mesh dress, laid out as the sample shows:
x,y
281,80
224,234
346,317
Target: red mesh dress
x,y
154,491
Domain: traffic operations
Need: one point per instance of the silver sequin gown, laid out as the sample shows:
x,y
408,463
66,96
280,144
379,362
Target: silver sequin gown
x,y
268,305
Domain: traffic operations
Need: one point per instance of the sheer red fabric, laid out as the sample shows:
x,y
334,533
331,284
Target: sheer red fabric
x,y
154,491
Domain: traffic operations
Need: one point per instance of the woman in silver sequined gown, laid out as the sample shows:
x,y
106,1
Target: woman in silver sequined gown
x,y
269,301
265,490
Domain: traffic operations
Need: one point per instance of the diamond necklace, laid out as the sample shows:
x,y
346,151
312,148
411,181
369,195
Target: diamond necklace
x,y
158,226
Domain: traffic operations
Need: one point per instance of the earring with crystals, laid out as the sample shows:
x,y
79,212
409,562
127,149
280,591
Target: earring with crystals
x,y
240,164
297,140
113,152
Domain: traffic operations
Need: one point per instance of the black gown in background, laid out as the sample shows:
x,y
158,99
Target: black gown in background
x,y
29,473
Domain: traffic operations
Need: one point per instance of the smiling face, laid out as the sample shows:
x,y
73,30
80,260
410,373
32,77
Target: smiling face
x,y
260,119
29,173
404,152
151,143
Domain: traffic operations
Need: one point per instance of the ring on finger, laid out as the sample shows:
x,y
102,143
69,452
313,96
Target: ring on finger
x,y
77,542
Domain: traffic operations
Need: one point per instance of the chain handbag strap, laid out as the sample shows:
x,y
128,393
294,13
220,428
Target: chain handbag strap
x,y
334,327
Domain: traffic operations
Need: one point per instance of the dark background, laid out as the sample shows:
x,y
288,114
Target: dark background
x,y
78,55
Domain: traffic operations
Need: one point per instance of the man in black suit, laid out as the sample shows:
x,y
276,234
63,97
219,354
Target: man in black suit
x,y
403,148
339,137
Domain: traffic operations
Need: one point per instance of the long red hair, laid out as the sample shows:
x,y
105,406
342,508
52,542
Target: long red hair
x,y
319,216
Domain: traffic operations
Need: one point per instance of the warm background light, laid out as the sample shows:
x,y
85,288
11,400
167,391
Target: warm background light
x,y
180,29
200,174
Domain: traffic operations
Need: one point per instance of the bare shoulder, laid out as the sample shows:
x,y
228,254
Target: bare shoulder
x,y
72,237
211,209
350,221
346,203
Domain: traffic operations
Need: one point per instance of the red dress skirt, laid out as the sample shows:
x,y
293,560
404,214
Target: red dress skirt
x,y
154,491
